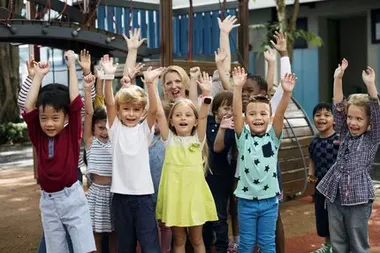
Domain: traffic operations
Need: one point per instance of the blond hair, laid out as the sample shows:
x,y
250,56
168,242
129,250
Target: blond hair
x,y
360,100
182,74
130,95
172,128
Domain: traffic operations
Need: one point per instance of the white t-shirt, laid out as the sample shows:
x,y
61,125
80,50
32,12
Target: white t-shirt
x,y
130,158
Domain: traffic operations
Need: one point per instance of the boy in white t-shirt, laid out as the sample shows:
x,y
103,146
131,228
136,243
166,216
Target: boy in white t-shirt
x,y
132,185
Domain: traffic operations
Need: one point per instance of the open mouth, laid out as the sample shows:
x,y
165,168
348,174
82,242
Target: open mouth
x,y
176,93
183,124
258,124
321,123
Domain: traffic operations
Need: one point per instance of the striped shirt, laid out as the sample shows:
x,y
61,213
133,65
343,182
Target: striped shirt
x,y
349,178
24,90
99,158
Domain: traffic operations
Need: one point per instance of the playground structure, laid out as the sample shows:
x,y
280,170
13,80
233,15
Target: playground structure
x,y
173,38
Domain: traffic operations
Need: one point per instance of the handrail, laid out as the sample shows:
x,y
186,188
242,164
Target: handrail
x,y
300,193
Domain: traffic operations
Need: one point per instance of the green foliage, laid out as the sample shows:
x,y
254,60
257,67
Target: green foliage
x,y
311,38
11,133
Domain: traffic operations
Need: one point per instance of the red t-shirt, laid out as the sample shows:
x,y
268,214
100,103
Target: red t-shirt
x,y
60,169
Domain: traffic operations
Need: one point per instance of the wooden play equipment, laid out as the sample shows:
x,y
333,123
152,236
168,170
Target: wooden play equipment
x,y
185,37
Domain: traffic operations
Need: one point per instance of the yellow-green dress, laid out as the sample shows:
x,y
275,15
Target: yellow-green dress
x,y
184,198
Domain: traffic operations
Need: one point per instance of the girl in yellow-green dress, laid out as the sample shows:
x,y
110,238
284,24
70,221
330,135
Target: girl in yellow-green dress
x,y
184,198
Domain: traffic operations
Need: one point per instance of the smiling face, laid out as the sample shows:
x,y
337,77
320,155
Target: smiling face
x,y
183,119
130,113
224,110
258,117
51,121
324,120
173,86
357,120
100,130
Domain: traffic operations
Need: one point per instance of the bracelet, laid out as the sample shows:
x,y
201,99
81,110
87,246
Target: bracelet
x,y
89,73
106,76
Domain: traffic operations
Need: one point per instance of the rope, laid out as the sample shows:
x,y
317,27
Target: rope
x,y
93,13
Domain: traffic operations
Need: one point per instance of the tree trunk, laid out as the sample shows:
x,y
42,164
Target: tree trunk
x,y
9,73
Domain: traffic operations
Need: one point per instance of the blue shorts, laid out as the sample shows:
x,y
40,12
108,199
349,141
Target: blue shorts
x,y
67,208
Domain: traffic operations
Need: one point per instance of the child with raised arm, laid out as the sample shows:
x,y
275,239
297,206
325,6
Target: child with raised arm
x,y
323,150
258,147
99,167
347,185
63,203
132,184
184,198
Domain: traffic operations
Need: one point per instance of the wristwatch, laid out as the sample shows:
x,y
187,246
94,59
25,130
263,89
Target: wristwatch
x,y
207,100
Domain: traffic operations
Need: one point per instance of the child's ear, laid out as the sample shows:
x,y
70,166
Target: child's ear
x,y
196,123
66,119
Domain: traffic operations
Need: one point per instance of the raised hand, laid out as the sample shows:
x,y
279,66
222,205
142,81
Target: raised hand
x,y
107,63
280,44
269,55
239,76
339,71
227,122
205,83
195,73
220,56
151,75
42,68
368,76
134,41
89,81
30,66
125,81
70,58
227,24
132,73
288,82
85,61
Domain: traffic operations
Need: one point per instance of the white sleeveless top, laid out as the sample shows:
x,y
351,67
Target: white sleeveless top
x,y
99,158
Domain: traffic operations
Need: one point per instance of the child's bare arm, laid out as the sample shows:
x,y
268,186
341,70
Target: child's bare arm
x,y
287,83
311,174
205,83
89,81
42,68
338,76
368,76
270,58
239,78
225,27
150,78
161,119
73,78
109,69
129,77
227,123
133,43
220,58
195,73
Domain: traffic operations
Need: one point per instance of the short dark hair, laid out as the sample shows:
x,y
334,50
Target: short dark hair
x,y
321,106
56,95
99,115
261,99
261,82
223,97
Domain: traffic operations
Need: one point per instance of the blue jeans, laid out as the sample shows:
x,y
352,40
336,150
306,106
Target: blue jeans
x,y
257,224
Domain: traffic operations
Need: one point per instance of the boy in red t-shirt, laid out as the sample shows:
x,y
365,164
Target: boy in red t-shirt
x,y
63,203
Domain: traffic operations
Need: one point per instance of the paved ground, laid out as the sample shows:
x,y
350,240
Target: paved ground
x,y
20,227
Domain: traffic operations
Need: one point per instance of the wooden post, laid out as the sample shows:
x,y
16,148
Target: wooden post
x,y
166,32
243,39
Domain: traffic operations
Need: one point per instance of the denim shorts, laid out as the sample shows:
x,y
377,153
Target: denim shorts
x,y
67,208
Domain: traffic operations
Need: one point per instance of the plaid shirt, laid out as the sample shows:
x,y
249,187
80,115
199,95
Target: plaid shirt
x,y
350,173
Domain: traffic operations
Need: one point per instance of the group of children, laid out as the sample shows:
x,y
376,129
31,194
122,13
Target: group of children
x,y
161,170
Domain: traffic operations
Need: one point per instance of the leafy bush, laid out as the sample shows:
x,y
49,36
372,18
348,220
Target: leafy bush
x,y
11,133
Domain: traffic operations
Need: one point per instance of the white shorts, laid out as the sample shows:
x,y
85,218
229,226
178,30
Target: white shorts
x,y
67,208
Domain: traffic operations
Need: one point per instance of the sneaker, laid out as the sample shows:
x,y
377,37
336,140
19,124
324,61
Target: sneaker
x,y
233,247
326,248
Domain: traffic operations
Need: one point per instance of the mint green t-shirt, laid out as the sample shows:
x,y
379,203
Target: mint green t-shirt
x,y
257,165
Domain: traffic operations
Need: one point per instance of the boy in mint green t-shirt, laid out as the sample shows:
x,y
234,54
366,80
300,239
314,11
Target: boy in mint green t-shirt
x,y
258,146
